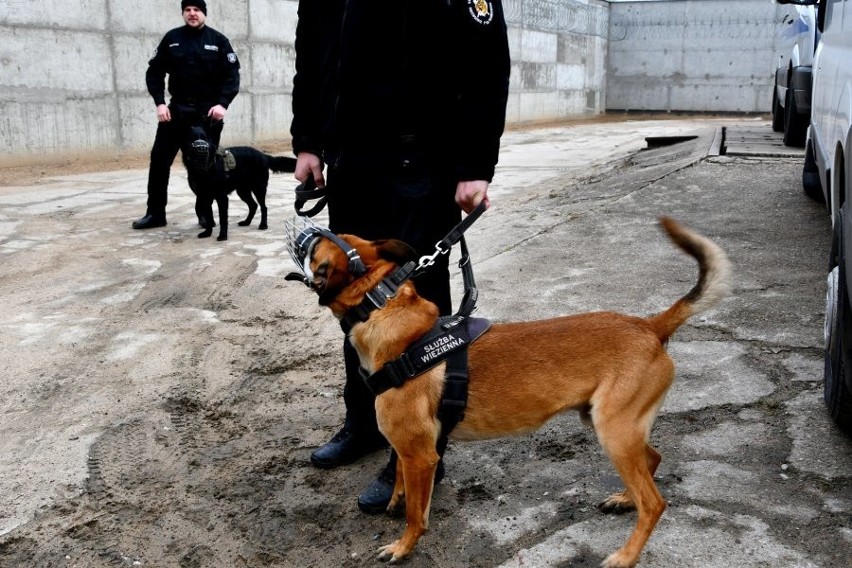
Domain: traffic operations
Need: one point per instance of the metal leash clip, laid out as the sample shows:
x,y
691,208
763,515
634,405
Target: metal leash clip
x,y
429,259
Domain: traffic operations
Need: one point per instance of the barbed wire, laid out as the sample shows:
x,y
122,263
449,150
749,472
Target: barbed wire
x,y
562,16
662,26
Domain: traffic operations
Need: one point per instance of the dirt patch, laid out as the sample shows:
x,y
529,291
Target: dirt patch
x,y
162,394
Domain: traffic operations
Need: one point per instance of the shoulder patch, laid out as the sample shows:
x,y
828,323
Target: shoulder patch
x,y
232,57
482,11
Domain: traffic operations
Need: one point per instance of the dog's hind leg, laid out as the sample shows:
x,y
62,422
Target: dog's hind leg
x,y
261,199
246,195
621,502
623,418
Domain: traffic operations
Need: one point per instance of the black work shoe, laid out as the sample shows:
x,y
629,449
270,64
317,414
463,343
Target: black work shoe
x,y
150,221
375,498
345,447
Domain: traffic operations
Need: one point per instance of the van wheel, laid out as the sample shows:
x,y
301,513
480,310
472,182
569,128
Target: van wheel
x,y
810,175
838,335
777,112
795,126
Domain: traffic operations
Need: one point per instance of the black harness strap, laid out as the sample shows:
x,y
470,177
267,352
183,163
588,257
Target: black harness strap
x,y
468,303
450,335
377,297
454,398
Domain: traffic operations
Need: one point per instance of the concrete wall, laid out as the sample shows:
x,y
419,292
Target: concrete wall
x,y
558,50
704,55
72,77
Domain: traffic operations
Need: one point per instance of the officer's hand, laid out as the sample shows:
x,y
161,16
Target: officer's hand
x,y
163,113
309,164
217,112
469,194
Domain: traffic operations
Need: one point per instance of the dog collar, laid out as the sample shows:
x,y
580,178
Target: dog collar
x,y
377,297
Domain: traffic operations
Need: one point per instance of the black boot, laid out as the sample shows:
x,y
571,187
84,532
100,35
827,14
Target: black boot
x,y
375,498
150,221
345,447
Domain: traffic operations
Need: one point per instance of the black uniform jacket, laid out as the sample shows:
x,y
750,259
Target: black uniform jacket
x,y
202,67
370,73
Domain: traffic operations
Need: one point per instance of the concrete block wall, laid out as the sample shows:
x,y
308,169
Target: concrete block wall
x,y
558,52
72,77
692,55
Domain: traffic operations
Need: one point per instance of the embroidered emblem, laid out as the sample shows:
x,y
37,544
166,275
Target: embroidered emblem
x,y
482,11
211,47
232,58
439,345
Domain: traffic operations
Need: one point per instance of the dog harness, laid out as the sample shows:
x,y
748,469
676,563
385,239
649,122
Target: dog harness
x,y
448,340
229,162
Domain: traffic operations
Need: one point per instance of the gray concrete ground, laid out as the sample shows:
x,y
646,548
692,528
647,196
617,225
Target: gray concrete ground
x,y
161,394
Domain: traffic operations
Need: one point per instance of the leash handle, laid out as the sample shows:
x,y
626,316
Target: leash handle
x,y
306,191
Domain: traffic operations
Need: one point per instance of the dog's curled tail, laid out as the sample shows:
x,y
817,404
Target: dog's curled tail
x,y
714,279
280,164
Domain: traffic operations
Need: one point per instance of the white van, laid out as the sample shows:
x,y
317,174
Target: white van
x,y
827,175
791,97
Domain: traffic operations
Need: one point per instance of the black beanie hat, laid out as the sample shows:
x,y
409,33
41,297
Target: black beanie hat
x,y
200,4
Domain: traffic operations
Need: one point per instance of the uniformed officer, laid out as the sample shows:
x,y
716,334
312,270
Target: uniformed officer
x,y
405,102
204,77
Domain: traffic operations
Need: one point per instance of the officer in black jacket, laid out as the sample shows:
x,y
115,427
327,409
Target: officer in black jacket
x,y
405,102
204,77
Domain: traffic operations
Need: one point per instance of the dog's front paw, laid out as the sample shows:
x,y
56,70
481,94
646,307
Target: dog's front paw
x,y
263,226
618,560
222,238
393,553
205,233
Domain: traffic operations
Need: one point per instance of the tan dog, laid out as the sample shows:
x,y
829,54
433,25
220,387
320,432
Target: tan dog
x,y
612,368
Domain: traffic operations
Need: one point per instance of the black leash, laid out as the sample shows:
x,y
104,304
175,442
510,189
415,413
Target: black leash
x,y
448,341
387,288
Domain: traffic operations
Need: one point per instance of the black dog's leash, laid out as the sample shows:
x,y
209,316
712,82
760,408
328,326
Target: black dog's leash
x,y
307,191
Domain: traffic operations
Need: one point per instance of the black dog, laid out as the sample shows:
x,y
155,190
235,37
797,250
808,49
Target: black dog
x,y
215,172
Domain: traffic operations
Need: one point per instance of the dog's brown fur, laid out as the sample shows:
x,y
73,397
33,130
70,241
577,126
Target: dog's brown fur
x,y
611,367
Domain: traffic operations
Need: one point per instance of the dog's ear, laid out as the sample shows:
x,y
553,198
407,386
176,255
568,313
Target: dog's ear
x,y
395,251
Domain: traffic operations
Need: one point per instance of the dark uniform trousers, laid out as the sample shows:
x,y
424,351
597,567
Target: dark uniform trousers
x,y
173,136
417,207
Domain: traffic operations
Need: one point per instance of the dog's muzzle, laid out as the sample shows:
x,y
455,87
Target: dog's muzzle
x,y
303,235
200,154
